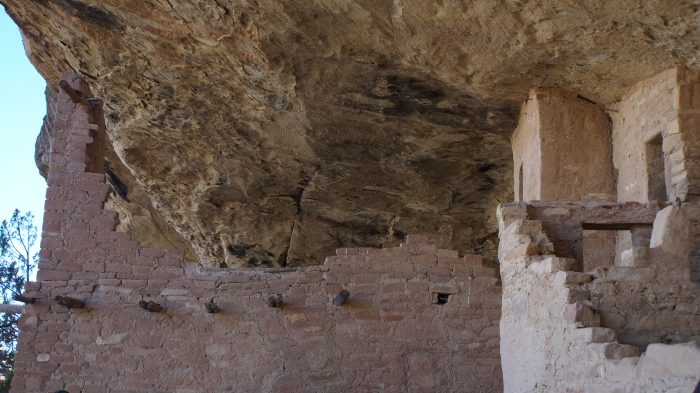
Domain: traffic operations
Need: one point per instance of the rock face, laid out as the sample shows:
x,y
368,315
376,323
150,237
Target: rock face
x,y
268,133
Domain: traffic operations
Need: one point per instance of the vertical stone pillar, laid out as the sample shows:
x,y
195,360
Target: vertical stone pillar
x,y
77,188
77,238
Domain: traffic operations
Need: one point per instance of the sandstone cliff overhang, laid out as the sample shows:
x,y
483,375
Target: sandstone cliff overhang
x,y
265,133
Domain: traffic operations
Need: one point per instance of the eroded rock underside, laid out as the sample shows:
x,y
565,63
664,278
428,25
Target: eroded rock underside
x,y
267,133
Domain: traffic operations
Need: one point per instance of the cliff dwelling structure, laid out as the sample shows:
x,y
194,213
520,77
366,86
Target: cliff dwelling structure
x,y
365,197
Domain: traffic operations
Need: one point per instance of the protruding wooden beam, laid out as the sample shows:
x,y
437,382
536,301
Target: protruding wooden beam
x,y
212,308
69,302
11,308
624,226
89,103
341,297
23,299
150,306
274,301
68,89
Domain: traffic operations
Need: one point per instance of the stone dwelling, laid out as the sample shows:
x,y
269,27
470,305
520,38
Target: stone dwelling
x,y
311,196
108,315
112,316
600,273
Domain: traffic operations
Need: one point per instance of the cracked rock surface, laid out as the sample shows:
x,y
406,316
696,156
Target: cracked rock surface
x,y
269,133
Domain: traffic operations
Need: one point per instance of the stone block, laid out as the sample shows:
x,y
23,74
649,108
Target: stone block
x,y
593,335
523,250
346,251
552,265
582,315
569,278
672,231
449,261
624,274
665,361
474,260
427,249
174,253
53,275
416,239
671,142
635,257
462,271
441,270
59,179
447,253
523,228
483,272
612,351
507,213
612,319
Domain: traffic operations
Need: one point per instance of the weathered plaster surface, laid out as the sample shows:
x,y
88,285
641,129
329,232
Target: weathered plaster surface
x,y
527,155
665,107
563,145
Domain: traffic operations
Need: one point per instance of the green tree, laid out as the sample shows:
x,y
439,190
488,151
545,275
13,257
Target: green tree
x,y
17,261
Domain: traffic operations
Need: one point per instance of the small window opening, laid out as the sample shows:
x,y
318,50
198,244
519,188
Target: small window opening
x,y
604,244
521,186
442,298
656,179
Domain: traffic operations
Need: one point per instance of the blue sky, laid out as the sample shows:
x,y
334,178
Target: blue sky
x,y
22,109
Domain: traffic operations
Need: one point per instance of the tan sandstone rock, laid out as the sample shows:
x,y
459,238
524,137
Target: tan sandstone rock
x,y
271,133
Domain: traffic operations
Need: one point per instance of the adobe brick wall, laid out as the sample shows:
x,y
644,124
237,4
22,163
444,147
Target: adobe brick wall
x,y
390,336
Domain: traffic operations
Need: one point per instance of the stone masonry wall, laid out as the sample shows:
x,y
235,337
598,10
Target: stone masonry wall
x,y
563,143
667,106
564,221
418,318
626,328
663,109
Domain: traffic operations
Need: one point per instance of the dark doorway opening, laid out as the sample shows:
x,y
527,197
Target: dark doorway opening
x,y
656,180
521,186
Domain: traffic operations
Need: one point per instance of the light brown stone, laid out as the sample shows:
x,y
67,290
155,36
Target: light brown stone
x,y
593,335
612,351
672,231
672,361
567,277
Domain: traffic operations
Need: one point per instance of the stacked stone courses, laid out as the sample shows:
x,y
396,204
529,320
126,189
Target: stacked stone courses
x,y
666,106
625,317
418,318
626,328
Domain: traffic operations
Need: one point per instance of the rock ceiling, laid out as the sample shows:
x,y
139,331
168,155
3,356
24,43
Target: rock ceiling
x,y
268,133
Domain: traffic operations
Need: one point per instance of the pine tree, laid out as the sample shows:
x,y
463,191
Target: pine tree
x,y
17,239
